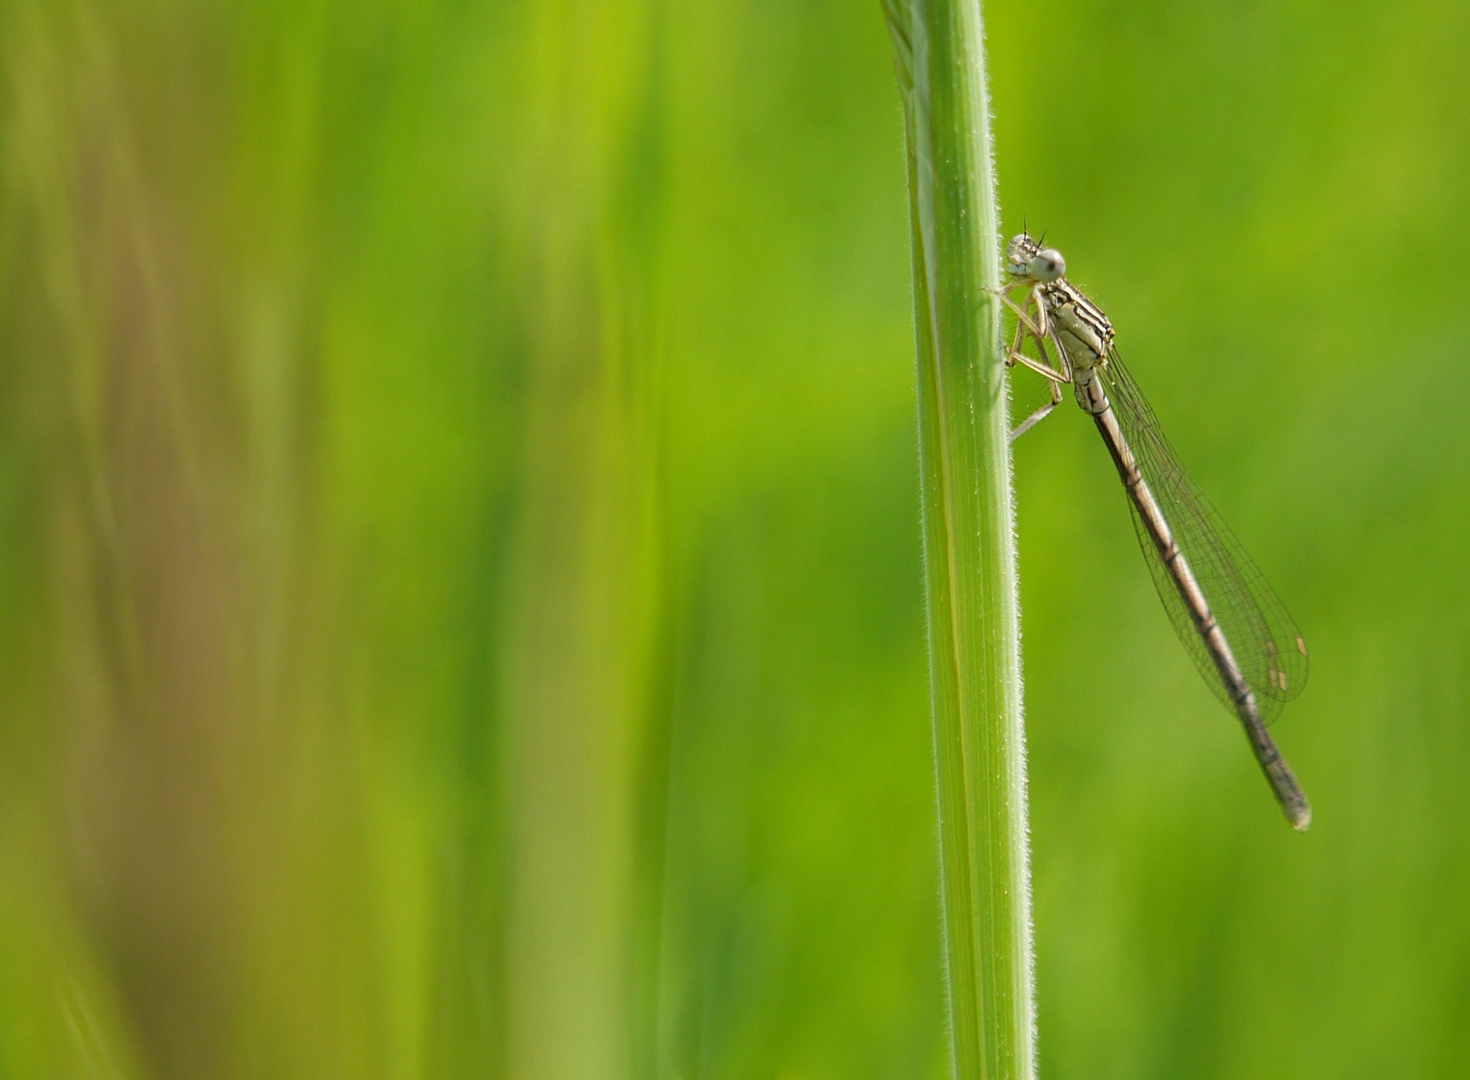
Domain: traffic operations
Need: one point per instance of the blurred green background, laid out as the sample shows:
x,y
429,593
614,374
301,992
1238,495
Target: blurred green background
x,y
460,589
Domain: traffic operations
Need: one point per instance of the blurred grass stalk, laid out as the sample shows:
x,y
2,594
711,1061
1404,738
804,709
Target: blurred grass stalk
x,y
299,315
586,768
970,566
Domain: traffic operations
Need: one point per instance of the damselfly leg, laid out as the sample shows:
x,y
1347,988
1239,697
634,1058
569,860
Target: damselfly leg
x,y
1037,329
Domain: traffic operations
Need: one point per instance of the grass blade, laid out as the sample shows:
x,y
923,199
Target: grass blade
x,y
974,627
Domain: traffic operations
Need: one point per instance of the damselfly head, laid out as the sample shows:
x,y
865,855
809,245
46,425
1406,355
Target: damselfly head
x,y
1025,258
1018,255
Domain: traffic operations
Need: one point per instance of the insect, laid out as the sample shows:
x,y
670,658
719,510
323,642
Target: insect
x,y
1228,617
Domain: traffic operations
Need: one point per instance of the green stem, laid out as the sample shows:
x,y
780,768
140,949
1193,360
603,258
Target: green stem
x,y
970,567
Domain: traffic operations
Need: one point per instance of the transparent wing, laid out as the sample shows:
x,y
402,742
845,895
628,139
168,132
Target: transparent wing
x,y
1267,645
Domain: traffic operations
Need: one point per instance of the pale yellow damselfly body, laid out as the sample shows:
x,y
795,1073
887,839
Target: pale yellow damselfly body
x,y
1231,622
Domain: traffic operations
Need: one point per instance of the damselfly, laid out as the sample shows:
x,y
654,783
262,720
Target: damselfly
x,y
1239,635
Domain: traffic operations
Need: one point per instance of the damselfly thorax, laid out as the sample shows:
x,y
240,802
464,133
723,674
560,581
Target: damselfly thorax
x,y
1085,337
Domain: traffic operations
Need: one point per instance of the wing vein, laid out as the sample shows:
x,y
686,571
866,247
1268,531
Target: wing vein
x,y
1261,633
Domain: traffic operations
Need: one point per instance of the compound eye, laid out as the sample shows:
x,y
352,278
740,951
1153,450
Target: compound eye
x,y
1048,265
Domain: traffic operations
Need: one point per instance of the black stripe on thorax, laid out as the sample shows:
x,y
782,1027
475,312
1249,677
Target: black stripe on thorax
x,y
1060,294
